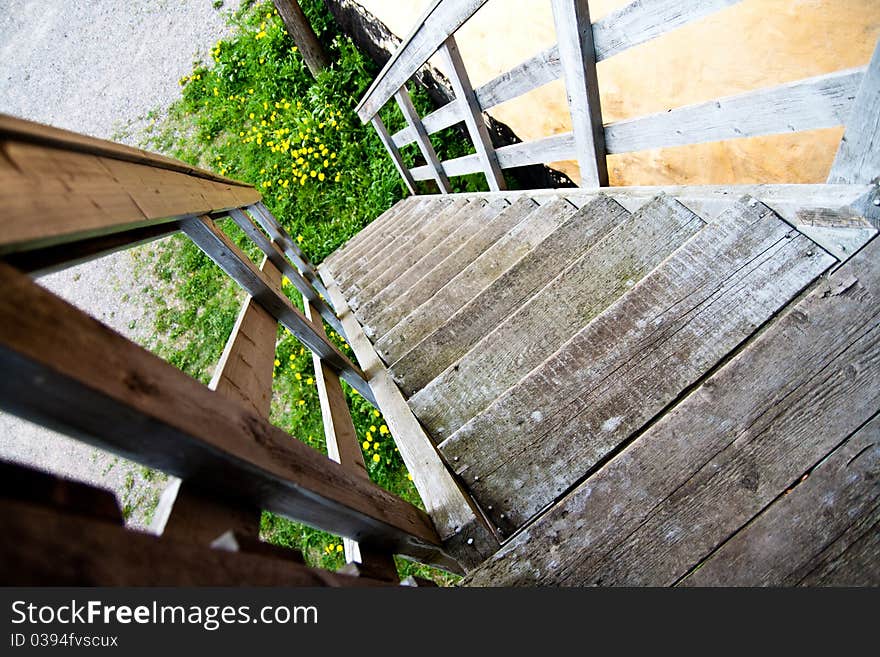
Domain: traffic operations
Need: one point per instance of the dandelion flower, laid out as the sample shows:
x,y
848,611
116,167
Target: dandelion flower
x,y
277,362
383,429
376,458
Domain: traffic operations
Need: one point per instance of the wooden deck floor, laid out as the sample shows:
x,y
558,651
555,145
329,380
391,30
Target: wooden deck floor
x,y
639,388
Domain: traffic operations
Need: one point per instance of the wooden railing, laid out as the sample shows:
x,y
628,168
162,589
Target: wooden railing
x,y
818,102
68,198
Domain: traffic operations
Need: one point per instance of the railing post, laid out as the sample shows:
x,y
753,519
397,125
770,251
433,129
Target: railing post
x,y
858,157
577,54
344,448
386,140
473,115
422,139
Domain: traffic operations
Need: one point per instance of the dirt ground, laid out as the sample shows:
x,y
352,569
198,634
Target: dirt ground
x,y
98,67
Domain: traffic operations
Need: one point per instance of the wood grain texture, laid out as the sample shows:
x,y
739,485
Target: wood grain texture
x,y
539,151
77,376
631,361
535,72
462,529
396,158
344,447
404,102
354,263
77,195
858,157
477,216
475,277
497,302
443,117
16,129
610,266
373,228
857,564
448,319
455,263
785,393
388,265
439,21
58,549
473,115
795,535
217,246
577,56
422,223
820,102
302,34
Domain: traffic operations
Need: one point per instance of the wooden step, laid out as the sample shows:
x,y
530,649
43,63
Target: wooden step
x,y
428,285
605,271
766,474
400,216
400,254
473,279
415,219
471,222
369,231
545,434
497,302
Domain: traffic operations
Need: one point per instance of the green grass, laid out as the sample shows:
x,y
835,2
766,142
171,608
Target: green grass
x,y
255,114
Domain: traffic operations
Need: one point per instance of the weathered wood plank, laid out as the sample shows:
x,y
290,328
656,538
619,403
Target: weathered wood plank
x,y
404,102
820,102
344,447
419,220
78,196
455,263
535,72
782,394
273,252
443,117
221,250
477,216
631,361
70,372
58,549
608,267
460,526
16,129
473,115
363,252
496,303
370,230
439,21
391,147
858,157
788,540
473,278
577,55
539,151
859,563
389,264
47,260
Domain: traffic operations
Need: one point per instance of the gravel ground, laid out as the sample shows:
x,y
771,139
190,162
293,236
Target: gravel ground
x,y
98,67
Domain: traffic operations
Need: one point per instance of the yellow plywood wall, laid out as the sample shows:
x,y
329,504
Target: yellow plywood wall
x,y
754,44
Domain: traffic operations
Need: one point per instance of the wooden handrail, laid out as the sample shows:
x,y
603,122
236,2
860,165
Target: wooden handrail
x,y
69,371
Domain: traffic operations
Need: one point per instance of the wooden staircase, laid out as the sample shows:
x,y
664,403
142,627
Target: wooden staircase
x,y
604,380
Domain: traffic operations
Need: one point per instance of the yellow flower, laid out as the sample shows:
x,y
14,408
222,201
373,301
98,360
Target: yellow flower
x,y
285,281
376,458
409,476
375,412
313,173
277,362
299,238
372,427
309,381
299,376
366,445
301,402
339,548
321,176
383,429
251,115
261,34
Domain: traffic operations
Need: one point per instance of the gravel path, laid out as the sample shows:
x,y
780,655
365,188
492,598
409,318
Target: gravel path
x,y
98,67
